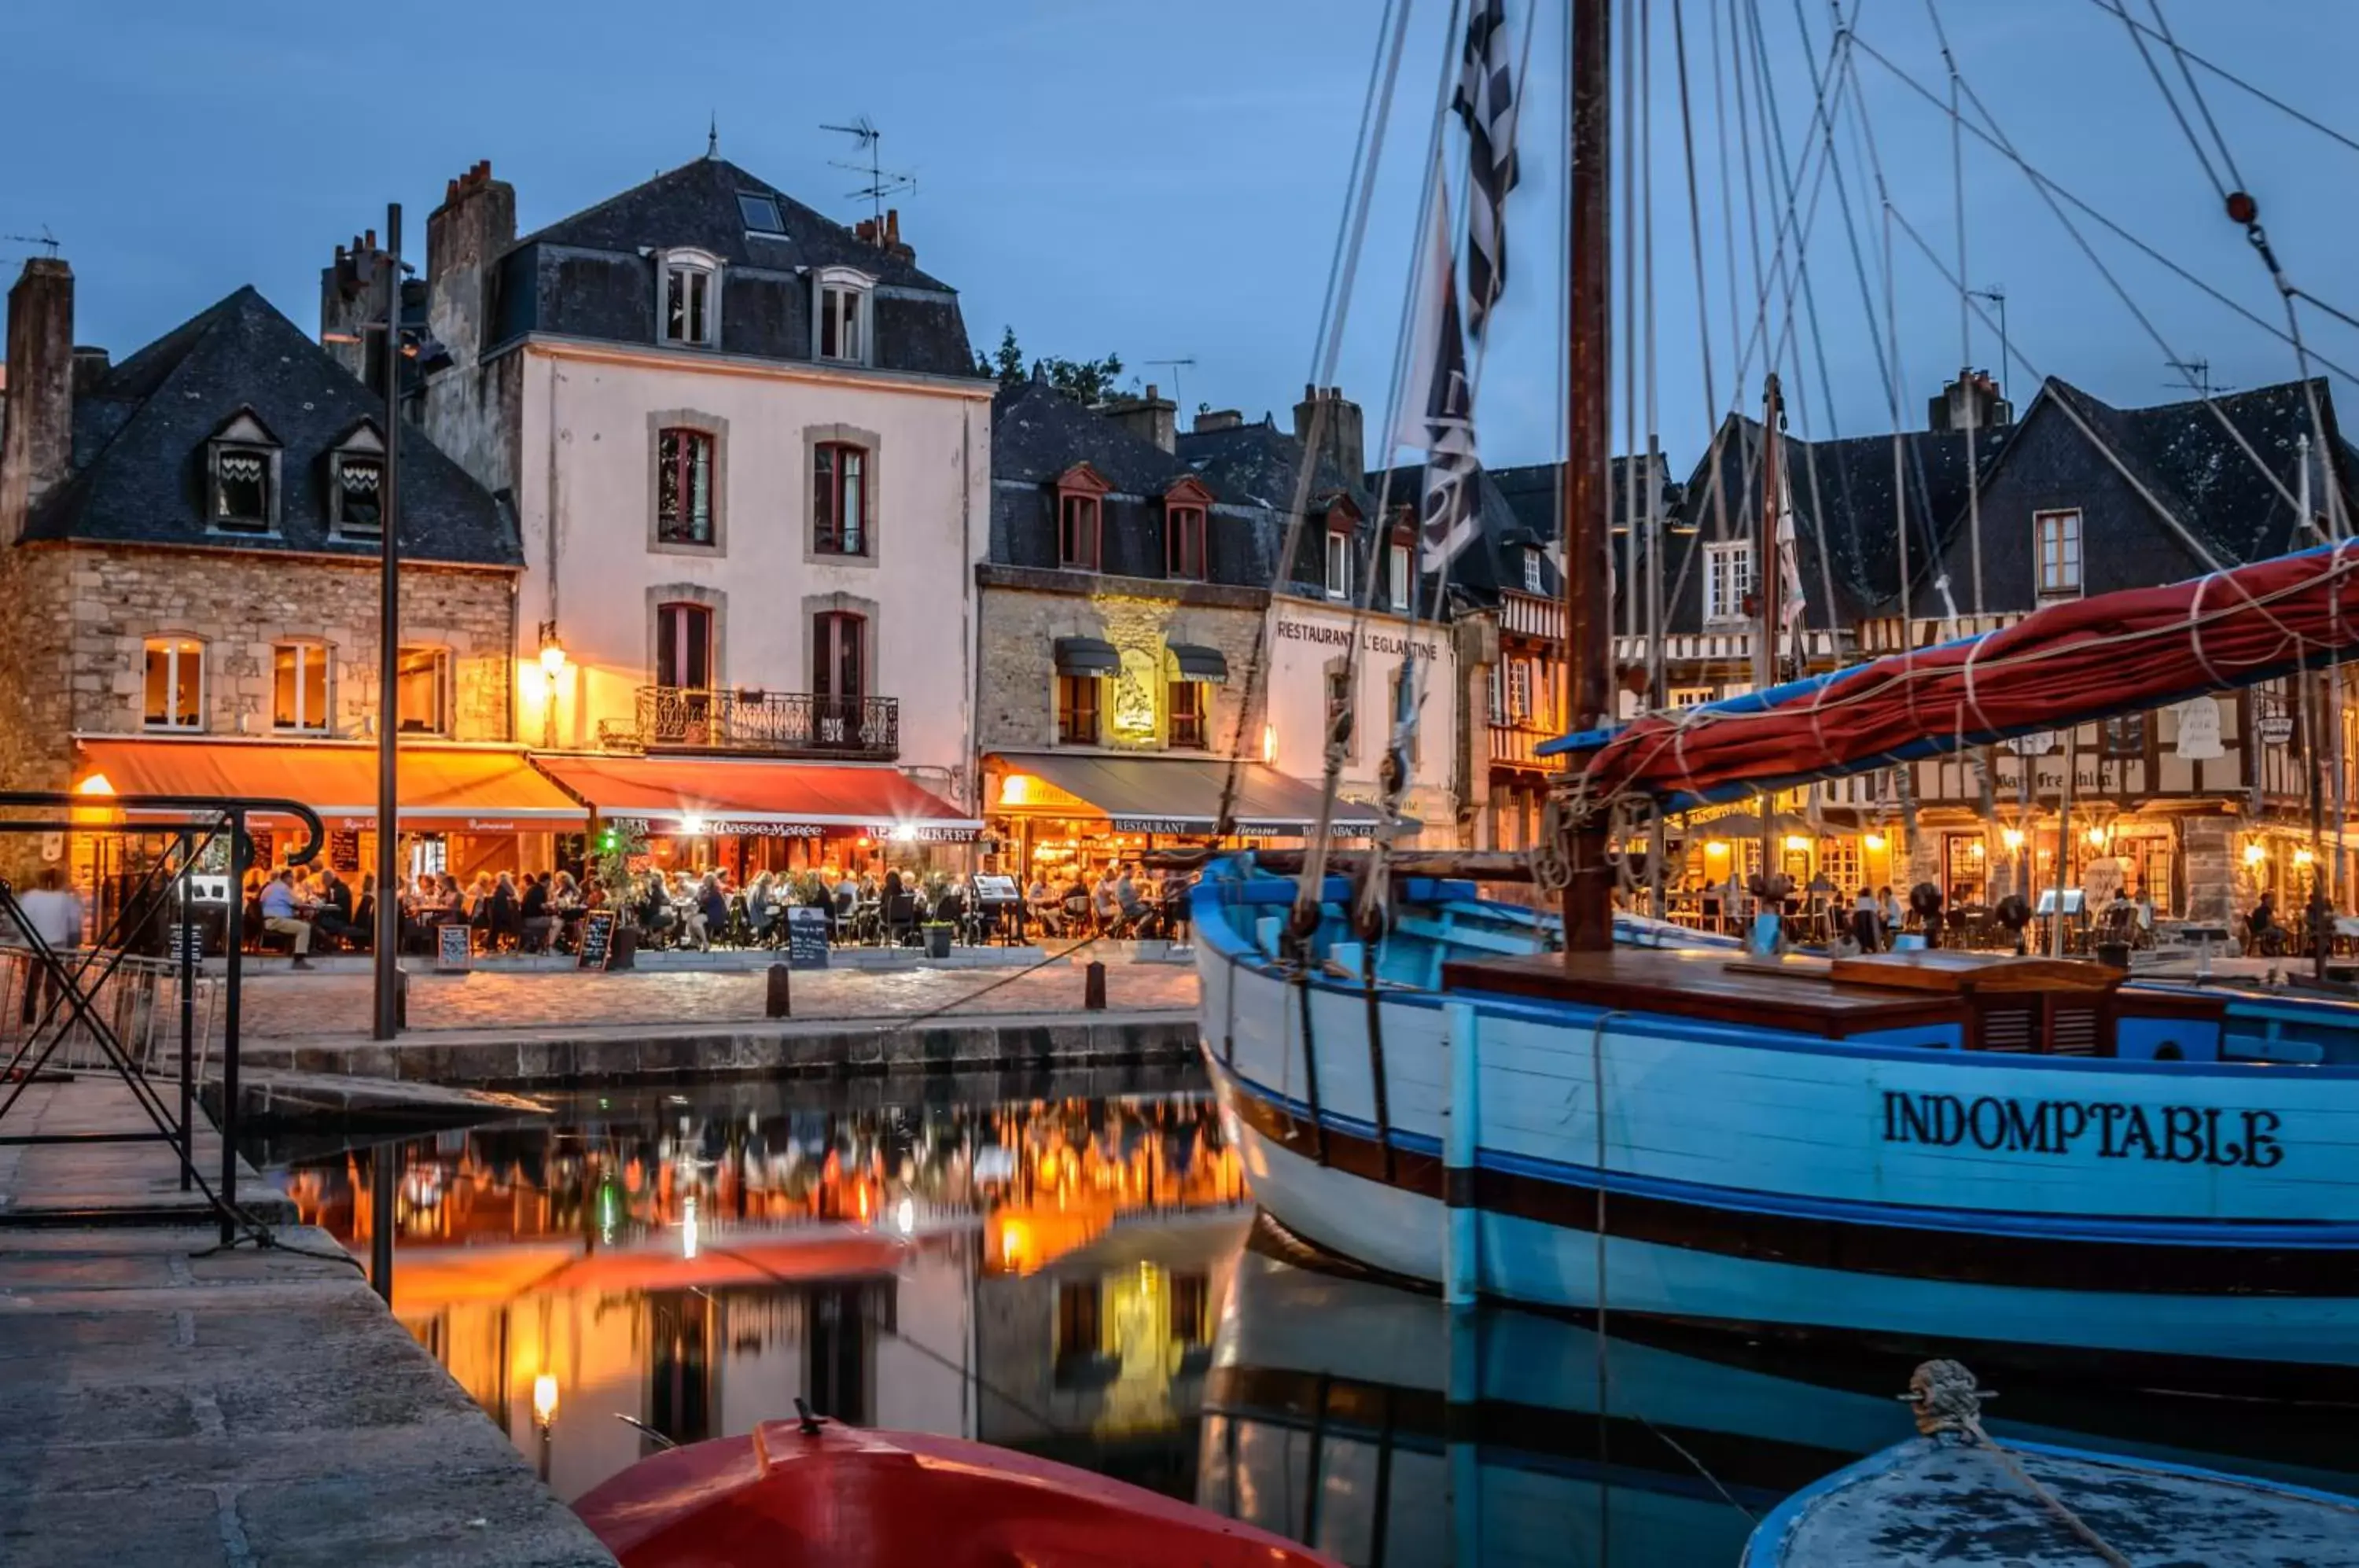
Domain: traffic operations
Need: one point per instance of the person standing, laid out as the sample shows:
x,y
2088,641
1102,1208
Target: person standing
x,y
53,915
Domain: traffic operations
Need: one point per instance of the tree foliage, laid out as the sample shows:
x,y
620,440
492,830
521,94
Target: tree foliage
x,y
1086,381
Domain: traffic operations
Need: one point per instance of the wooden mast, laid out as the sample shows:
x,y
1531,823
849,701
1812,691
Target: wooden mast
x,y
1588,615
1768,583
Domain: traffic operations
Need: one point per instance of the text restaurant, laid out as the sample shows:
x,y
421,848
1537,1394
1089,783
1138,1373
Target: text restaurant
x,y
464,809
1058,814
747,816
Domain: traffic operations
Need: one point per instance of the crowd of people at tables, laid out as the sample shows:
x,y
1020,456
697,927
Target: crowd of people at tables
x,y
535,912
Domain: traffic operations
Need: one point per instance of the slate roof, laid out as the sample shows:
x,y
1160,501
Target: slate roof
x,y
695,204
1493,559
1843,497
139,439
2205,477
1257,465
1037,432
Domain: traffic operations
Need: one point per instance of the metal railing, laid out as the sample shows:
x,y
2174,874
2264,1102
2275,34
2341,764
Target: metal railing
x,y
137,1003
775,724
104,999
1519,746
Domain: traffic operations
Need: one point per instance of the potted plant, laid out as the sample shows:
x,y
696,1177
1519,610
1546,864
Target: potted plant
x,y
938,938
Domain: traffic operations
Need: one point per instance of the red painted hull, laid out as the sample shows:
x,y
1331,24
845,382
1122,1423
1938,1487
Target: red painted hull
x,y
855,1498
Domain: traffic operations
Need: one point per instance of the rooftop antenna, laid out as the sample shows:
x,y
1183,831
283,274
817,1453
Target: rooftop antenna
x,y
1996,295
1176,365
46,240
881,183
2195,375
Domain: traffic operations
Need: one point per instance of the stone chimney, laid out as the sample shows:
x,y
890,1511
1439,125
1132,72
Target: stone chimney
x,y
91,365
465,237
1970,402
1341,440
1151,418
351,296
37,436
1212,419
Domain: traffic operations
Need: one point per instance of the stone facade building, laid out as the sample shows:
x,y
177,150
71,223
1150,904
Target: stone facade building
x,y
190,541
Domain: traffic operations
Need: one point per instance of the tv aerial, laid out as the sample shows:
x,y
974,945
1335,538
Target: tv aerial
x,y
882,182
46,240
1175,367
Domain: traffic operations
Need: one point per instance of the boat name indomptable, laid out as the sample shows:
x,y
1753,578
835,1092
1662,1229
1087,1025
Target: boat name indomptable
x,y
2182,1135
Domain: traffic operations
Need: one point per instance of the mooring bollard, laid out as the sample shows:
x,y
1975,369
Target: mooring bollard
x,y
1094,987
779,1003
400,999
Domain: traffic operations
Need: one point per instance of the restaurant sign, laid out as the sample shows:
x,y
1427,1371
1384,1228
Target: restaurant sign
x,y
728,826
923,832
1375,641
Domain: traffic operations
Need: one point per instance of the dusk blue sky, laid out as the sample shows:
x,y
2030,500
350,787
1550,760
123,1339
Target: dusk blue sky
x,y
1165,182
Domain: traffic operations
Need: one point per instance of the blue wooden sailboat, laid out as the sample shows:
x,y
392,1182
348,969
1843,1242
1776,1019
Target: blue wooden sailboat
x,y
1946,1148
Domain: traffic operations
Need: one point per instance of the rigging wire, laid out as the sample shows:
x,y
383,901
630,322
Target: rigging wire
x,y
2189,57
1375,112
1965,317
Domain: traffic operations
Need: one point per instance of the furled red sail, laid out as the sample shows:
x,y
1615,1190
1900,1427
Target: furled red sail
x,y
2089,658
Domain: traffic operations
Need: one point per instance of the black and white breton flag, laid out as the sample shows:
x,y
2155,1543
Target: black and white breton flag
x,y
1438,414
1487,102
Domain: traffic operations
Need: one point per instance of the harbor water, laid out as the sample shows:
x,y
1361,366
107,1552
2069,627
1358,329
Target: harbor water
x,y
1070,1264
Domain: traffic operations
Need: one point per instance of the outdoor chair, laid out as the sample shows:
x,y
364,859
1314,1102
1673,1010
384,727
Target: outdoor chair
x,y
952,908
901,920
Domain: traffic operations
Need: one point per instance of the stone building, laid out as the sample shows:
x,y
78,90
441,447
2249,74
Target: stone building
x,y
750,460
190,541
1352,579
1123,609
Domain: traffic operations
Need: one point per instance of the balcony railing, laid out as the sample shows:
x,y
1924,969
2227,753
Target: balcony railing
x,y
771,723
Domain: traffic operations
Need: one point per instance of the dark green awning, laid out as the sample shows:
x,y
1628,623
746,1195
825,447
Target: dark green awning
x,y
1086,656
1209,664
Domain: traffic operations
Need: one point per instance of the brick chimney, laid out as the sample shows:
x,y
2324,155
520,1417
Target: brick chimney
x,y
37,436
465,237
91,365
1152,418
1211,420
1343,440
352,296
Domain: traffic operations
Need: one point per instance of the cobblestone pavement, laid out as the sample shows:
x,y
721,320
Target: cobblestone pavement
x,y
282,1005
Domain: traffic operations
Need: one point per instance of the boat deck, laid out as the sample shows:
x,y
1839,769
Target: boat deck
x,y
1795,992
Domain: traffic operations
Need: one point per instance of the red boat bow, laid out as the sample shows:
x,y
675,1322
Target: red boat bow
x,y
788,1494
2069,663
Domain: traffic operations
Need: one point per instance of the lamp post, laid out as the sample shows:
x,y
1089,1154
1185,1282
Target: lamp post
x,y
552,670
386,939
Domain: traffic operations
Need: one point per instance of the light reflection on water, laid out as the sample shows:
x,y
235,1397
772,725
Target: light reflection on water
x,y
1041,1267
1069,1264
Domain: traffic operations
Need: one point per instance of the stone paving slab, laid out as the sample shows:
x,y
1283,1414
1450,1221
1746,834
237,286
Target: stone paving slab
x,y
286,1006
111,1183
242,1409
547,1057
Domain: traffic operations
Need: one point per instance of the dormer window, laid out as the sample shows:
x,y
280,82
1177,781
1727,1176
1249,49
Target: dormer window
x,y
1339,563
841,331
1532,572
1079,498
241,477
1397,561
356,483
690,307
1183,530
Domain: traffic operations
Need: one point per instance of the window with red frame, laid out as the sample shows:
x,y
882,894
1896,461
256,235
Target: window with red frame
x,y
684,486
1185,702
1076,531
840,499
1184,542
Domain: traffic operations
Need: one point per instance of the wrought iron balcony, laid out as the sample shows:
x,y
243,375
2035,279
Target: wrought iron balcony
x,y
770,723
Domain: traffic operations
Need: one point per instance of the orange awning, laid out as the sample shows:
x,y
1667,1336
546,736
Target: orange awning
x,y
448,789
698,795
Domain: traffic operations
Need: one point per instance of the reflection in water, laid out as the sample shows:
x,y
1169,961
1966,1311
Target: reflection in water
x,y
1035,1269
1062,1267
1376,1425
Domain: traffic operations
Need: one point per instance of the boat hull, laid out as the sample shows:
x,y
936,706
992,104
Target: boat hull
x,y
1747,1176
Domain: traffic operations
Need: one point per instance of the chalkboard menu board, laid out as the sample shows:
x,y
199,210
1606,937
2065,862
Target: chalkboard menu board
x,y
806,937
597,941
345,850
451,948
